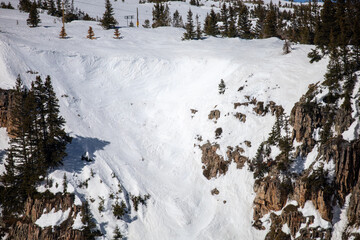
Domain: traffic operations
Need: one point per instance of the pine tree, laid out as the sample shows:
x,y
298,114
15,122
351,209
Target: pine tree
x,y
146,23
117,234
222,87
25,5
210,26
232,32
34,18
270,23
286,47
198,28
117,34
177,20
108,21
62,33
51,7
225,20
90,33
161,15
189,26
244,23
57,140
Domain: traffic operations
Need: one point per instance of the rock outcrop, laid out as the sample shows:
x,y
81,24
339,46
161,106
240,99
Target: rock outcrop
x,y
270,196
214,114
6,101
214,163
235,155
25,227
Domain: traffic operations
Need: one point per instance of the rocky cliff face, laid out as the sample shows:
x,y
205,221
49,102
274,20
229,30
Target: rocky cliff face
x,y
6,101
25,227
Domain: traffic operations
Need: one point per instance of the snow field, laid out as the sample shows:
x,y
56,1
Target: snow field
x,y
127,104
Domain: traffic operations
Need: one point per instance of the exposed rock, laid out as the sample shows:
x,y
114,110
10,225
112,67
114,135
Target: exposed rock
x,y
346,157
247,143
353,212
276,229
235,155
214,163
343,120
215,191
259,109
6,101
293,218
270,196
275,109
214,114
314,233
241,104
305,117
25,227
193,111
240,116
218,133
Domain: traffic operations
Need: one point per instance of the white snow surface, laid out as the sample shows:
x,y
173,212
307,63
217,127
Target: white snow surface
x,y
127,103
52,218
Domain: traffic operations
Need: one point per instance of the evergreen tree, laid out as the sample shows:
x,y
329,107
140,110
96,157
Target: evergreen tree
x,y
51,8
117,234
222,87
62,33
189,26
198,27
25,5
177,20
55,149
59,8
232,23
91,33
325,25
244,23
161,15
117,34
210,26
270,23
146,23
225,20
34,18
108,21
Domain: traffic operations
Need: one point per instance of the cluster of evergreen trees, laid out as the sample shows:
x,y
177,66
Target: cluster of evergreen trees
x,y
54,8
38,142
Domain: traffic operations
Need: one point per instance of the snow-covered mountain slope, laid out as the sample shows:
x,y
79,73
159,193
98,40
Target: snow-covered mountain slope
x,y
127,104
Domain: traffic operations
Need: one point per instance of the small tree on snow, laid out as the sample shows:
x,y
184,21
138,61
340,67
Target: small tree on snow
x,y
117,34
108,21
222,87
90,33
286,47
34,18
190,33
117,234
63,33
146,23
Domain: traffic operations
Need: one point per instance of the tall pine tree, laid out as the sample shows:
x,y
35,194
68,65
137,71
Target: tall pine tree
x,y
108,21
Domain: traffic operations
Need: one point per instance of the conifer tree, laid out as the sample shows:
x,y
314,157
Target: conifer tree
x,y
117,34
244,23
198,27
51,7
232,32
210,26
62,33
189,26
108,21
34,18
57,137
161,15
270,23
146,23
117,234
25,5
225,20
177,20
90,33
